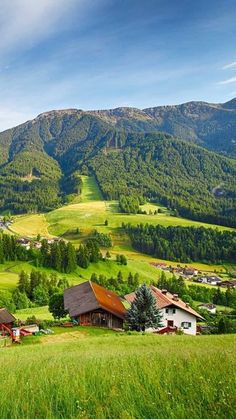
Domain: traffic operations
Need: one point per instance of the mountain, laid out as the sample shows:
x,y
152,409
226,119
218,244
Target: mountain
x,y
211,125
41,160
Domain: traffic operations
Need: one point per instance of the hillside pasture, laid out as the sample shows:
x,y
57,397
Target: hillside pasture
x,y
30,225
76,221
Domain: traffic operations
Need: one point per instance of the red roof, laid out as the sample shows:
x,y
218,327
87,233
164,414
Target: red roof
x,y
108,300
166,299
89,296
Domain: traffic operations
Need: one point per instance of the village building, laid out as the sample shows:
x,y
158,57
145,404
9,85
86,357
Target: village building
x,y
24,242
209,279
176,315
7,320
209,307
90,304
228,284
189,271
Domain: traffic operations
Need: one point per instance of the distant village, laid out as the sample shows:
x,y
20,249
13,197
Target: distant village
x,y
104,308
195,275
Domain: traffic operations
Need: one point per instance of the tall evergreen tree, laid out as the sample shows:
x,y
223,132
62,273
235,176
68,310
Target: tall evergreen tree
x,y
71,258
24,284
143,312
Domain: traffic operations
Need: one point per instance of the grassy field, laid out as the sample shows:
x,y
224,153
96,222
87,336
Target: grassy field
x,y
90,213
41,313
86,215
31,225
96,374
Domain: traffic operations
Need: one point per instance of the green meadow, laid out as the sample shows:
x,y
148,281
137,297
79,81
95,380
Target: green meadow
x,y
87,373
89,212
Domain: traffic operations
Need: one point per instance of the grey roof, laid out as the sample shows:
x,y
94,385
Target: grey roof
x,y
5,316
89,296
80,299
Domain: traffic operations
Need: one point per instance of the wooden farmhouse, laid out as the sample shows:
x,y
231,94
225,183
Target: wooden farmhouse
x,y
176,314
91,304
6,319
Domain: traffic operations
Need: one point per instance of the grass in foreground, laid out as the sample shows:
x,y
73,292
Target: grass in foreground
x,y
120,376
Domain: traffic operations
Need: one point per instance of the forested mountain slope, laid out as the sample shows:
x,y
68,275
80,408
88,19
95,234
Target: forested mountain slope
x,y
210,125
41,160
198,183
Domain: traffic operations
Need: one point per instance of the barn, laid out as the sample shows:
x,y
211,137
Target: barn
x,y
7,320
90,304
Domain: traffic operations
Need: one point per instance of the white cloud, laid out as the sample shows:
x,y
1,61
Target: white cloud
x,y
228,81
230,65
25,22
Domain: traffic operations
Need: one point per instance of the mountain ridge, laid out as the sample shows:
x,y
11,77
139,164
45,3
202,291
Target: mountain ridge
x,y
49,153
212,125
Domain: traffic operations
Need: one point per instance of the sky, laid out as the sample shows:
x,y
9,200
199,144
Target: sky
x,y
100,54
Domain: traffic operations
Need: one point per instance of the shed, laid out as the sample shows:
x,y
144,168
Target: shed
x,y
6,319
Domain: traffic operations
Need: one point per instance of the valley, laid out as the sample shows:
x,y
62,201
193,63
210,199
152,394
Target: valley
x,y
117,209
76,221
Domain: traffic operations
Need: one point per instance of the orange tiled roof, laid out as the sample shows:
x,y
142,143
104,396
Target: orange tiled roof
x,y
108,300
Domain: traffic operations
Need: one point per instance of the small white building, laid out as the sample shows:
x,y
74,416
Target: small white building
x,y
176,315
209,307
210,280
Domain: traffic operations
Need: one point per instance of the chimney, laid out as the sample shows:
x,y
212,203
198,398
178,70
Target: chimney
x,y
175,297
187,305
164,292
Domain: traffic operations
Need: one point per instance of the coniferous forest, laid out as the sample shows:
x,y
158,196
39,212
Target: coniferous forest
x,y
41,162
184,244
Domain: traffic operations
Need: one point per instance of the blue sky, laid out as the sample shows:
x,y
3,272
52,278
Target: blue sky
x,y
93,54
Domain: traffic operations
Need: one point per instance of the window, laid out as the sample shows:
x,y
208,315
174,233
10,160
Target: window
x,y
174,310
167,310
186,325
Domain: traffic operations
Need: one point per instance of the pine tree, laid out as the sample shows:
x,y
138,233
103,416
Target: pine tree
x,y
82,257
1,252
120,278
71,258
143,312
94,278
24,284
130,279
108,255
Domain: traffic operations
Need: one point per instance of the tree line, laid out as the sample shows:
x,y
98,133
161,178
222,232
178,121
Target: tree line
x,y
183,244
118,284
34,289
59,255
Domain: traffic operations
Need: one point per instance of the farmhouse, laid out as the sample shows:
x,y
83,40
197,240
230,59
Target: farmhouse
x,y
175,313
209,307
189,271
6,319
209,279
91,304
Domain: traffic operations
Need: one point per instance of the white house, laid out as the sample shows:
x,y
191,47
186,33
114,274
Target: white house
x,y
176,315
209,307
210,279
